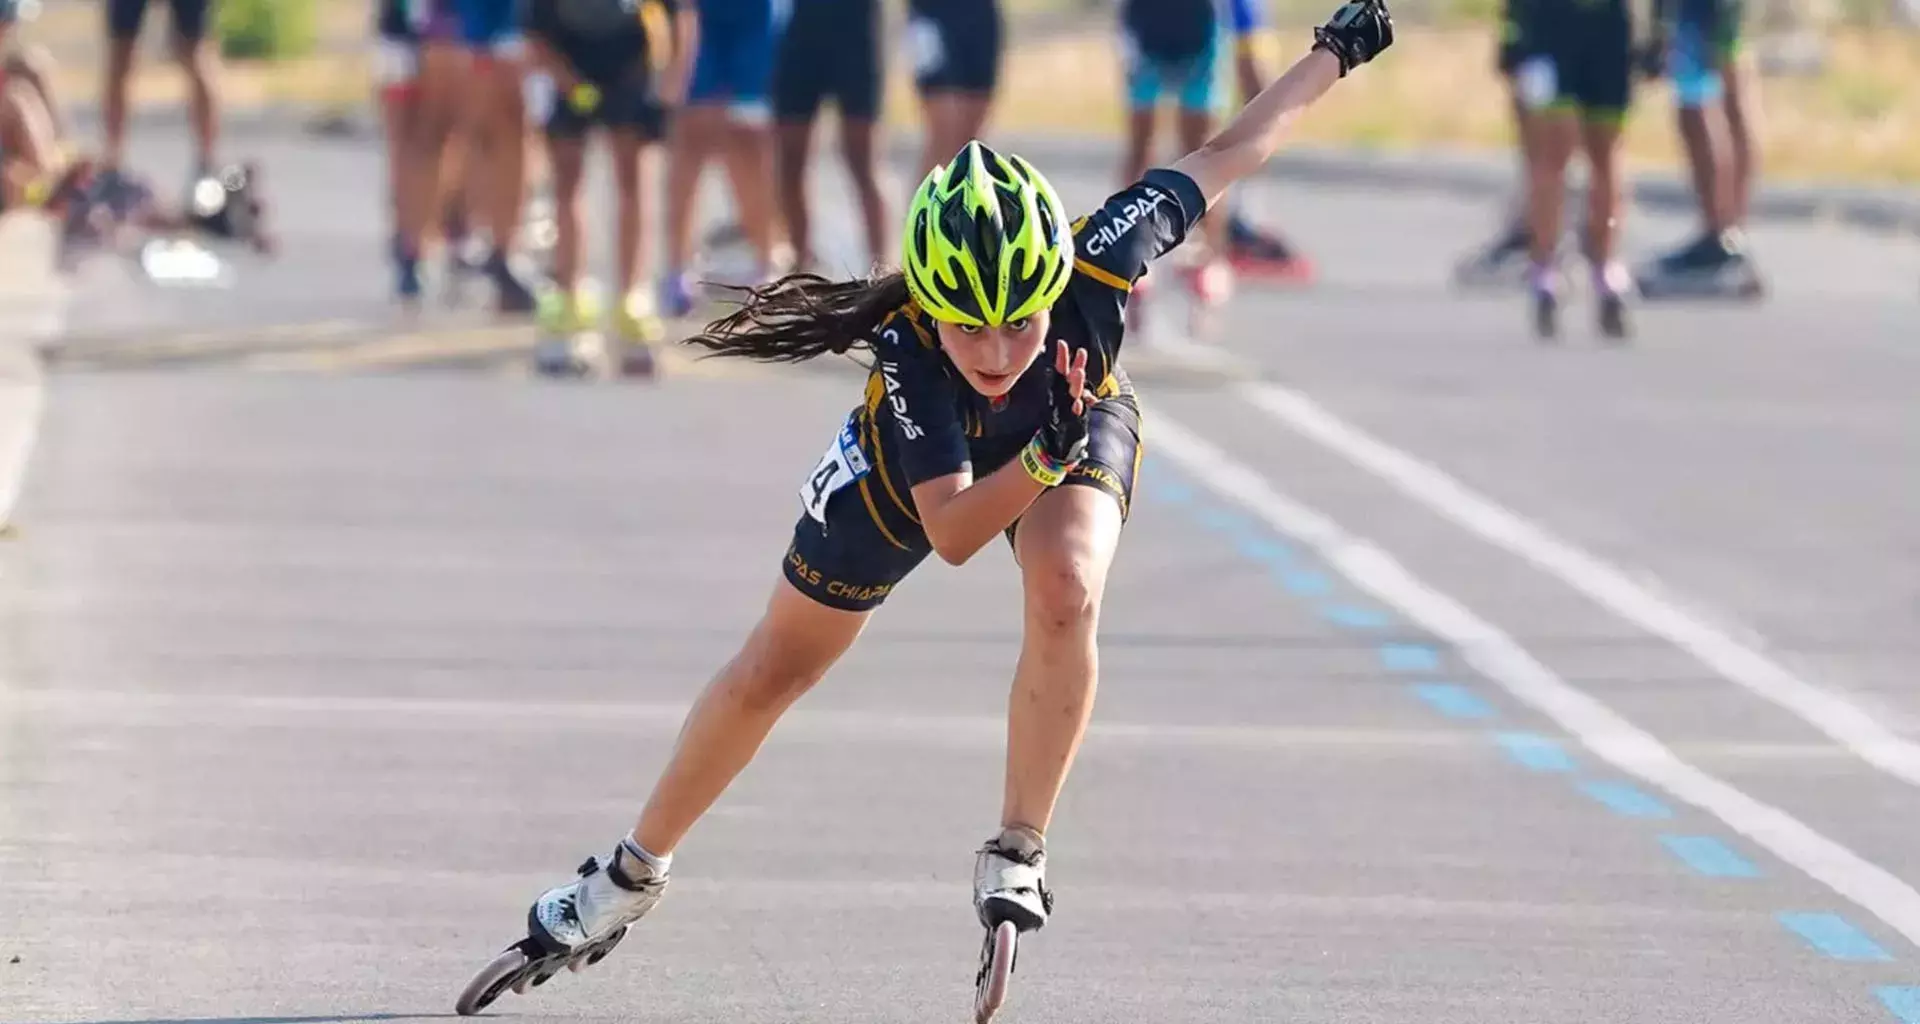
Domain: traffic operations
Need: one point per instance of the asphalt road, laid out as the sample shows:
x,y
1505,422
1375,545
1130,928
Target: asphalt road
x,y
312,678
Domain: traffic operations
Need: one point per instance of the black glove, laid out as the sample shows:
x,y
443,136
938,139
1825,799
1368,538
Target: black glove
x,y
1358,32
1063,434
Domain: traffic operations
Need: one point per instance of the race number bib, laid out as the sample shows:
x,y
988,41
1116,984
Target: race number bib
x,y
394,62
842,464
1537,81
925,45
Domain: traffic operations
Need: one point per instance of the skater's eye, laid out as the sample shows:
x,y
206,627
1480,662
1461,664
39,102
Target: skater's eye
x,y
1018,326
970,328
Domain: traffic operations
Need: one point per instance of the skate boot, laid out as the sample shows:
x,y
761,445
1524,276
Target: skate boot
x,y
572,926
1209,286
676,295
1501,264
1264,255
1715,265
1544,285
1611,283
1010,896
637,329
512,294
406,272
567,345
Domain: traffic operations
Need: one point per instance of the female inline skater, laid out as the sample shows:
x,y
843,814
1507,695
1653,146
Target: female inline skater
x,y
965,433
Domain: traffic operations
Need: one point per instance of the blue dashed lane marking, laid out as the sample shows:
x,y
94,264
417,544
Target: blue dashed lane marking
x,y
1454,701
1223,520
1536,753
1306,583
1355,616
1904,1001
1409,658
1828,933
1626,799
1266,552
1710,857
1833,936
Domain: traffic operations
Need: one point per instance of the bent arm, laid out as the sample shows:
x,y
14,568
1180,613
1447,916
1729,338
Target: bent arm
x,y
961,515
1254,134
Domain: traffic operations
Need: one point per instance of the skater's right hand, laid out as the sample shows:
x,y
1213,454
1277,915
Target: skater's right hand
x,y
1358,32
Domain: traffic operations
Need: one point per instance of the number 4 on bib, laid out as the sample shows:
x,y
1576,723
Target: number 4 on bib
x,y
842,464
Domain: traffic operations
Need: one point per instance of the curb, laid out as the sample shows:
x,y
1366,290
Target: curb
x,y
1459,173
30,298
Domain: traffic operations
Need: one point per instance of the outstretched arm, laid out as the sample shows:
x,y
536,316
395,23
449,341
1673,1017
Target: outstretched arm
x,y
1357,32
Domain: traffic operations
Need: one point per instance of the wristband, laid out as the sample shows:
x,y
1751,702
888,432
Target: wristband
x,y
1041,466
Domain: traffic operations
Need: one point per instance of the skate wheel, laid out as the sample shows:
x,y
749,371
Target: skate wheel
x,y
996,969
493,979
606,946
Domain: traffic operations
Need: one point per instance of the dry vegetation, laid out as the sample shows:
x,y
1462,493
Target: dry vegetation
x,y
1859,119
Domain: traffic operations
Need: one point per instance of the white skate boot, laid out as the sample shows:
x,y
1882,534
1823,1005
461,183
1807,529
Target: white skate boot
x,y
1010,896
572,926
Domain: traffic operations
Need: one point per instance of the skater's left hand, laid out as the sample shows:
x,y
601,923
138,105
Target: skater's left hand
x,y
1358,32
1069,405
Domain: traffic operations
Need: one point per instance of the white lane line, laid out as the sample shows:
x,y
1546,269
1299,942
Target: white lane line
x,y
1847,723
1501,660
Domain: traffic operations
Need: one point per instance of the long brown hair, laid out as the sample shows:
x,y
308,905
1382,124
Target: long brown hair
x,y
800,316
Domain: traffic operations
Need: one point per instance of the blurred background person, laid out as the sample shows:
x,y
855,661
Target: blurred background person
x,y
1504,260
1716,100
728,113
410,163
1257,251
496,122
197,59
956,46
427,120
1175,50
831,49
1576,78
616,66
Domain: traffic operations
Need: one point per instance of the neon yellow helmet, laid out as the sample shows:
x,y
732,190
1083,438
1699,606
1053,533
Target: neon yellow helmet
x,y
987,240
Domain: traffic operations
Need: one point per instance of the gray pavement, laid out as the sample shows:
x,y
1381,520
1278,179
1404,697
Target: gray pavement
x,y
311,681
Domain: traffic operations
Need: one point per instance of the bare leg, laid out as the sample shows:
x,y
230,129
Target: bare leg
x,y
749,158
1556,133
863,164
566,156
796,642
1743,123
114,102
795,139
632,165
696,131
1065,545
197,60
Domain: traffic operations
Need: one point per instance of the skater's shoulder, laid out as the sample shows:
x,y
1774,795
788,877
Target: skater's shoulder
x,y
907,328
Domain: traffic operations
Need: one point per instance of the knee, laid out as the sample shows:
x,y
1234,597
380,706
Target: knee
x,y
772,675
1063,594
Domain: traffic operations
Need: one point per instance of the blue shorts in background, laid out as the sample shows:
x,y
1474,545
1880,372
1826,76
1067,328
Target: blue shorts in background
x,y
492,25
1694,67
1196,81
734,67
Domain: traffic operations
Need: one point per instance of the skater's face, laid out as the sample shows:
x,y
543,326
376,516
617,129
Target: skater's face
x,y
993,358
